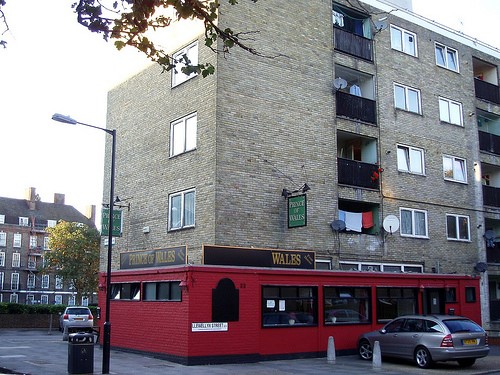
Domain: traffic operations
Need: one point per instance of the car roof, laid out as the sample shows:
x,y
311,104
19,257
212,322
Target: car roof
x,y
435,316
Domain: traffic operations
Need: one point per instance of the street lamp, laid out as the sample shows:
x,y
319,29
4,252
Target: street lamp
x,y
107,324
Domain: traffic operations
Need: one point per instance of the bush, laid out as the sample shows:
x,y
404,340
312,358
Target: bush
x,y
16,308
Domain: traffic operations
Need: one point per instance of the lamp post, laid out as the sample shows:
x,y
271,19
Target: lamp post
x,y
107,324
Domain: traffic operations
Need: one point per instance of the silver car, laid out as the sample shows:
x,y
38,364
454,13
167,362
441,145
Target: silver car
x,y
428,338
76,317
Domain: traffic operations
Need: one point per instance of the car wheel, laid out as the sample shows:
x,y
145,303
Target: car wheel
x,y
365,350
466,362
422,357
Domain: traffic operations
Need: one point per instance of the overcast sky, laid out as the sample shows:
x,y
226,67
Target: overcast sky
x,y
52,64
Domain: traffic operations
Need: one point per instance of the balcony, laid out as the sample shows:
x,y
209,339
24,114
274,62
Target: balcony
x,y
487,91
489,142
356,107
353,44
357,173
493,254
491,196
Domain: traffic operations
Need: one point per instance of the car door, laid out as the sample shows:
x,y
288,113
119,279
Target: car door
x,y
389,341
409,337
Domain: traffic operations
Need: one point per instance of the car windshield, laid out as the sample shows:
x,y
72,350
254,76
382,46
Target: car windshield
x,y
77,311
462,325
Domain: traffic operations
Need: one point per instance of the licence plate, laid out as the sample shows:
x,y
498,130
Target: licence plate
x,y
82,319
470,342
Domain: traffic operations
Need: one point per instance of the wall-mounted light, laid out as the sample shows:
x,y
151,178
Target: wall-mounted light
x,y
286,193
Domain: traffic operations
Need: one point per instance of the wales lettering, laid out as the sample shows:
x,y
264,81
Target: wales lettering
x,y
286,259
165,256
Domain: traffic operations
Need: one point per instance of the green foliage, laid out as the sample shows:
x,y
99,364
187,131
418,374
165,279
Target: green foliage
x,y
128,22
74,255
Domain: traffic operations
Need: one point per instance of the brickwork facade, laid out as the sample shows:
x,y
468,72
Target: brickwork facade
x,y
273,122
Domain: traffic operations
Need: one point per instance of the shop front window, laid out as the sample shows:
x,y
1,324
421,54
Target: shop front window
x,y
393,302
286,306
346,305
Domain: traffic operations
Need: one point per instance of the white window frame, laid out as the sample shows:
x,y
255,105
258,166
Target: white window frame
x,y
59,282
2,276
447,114
460,236
58,299
191,52
14,281
51,223
30,282
182,135
3,239
408,98
45,281
17,240
72,300
445,52
24,221
2,219
410,159
402,41
46,243
2,259
33,241
458,167
16,260
413,223
44,299
182,218
14,298
31,262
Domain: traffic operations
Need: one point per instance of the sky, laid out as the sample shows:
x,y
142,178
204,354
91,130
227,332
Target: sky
x,y
52,64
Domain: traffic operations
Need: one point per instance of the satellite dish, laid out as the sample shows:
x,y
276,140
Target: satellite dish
x,y
391,224
481,267
489,234
339,83
380,25
337,225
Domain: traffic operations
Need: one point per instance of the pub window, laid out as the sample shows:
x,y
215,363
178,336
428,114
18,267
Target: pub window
x,y
346,305
470,294
393,302
285,306
451,295
162,291
126,291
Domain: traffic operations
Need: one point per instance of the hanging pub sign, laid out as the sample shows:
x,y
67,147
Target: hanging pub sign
x,y
297,211
251,257
117,222
171,256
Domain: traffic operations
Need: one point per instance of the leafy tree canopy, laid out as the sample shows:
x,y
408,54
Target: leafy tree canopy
x,y
128,22
74,255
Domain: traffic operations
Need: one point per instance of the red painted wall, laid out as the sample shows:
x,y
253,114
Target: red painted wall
x,y
165,327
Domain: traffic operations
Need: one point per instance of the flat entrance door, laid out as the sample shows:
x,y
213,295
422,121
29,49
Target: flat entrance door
x,y
434,301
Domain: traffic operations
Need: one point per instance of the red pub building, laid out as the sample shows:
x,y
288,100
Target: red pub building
x,y
247,304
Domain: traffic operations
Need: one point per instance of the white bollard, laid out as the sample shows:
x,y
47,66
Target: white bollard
x,y
330,353
377,356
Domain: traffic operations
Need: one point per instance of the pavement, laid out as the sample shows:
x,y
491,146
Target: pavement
x,y
39,352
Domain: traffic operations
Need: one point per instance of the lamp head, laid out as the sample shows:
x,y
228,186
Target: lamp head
x,y
64,119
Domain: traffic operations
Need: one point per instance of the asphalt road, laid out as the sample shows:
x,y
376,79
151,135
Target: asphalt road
x,y
38,352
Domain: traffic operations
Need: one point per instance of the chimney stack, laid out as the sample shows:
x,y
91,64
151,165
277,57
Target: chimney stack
x,y
90,213
31,198
59,198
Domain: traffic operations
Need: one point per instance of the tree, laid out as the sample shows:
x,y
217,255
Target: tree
x,y
129,21
74,255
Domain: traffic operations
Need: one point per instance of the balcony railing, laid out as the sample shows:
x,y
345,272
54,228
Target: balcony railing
x,y
356,107
357,173
487,91
489,142
493,254
491,196
353,44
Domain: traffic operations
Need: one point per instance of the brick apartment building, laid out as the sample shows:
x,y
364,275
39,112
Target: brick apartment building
x,y
373,113
23,242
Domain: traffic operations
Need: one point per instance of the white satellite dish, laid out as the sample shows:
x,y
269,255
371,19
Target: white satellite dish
x,y
339,83
391,224
380,25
